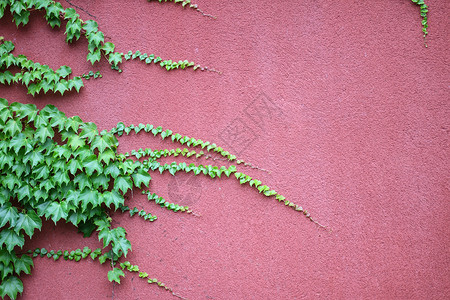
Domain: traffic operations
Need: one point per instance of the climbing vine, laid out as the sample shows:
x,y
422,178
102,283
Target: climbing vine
x,y
424,15
64,169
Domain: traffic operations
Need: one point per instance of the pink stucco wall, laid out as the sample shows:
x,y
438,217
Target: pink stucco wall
x,y
357,133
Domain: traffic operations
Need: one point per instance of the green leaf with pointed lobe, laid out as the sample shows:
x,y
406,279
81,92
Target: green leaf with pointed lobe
x,y
11,239
28,222
8,214
115,274
91,165
11,287
123,184
23,264
56,211
141,177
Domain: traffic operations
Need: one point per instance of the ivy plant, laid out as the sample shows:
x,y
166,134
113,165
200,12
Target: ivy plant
x,y
60,168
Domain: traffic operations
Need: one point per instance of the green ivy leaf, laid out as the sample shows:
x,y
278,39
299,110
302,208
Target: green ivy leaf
x,y
108,47
76,83
23,264
8,214
95,38
75,141
70,13
90,27
61,86
107,156
64,71
123,184
41,172
112,170
6,77
11,287
113,197
11,239
17,7
114,275
6,270
121,244
21,18
141,177
105,141
12,127
91,165
56,211
28,222
89,197
89,131
115,58
94,56
44,132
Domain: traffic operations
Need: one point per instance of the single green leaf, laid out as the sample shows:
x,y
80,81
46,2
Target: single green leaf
x,y
123,184
108,47
104,141
121,244
73,166
56,211
8,214
114,275
44,132
76,83
107,156
11,239
94,56
82,181
92,164
28,222
75,141
113,197
11,287
12,127
89,131
64,71
90,26
95,38
61,86
112,170
141,177
89,197
23,264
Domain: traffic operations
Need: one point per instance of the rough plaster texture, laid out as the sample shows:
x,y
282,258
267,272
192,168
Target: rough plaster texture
x,y
357,133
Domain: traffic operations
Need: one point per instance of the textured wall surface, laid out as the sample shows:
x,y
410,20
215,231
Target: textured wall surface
x,y
339,100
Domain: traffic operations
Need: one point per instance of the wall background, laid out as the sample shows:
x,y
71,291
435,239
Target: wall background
x,y
357,132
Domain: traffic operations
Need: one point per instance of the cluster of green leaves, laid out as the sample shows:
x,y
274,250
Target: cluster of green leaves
x,y
34,76
76,255
75,27
424,15
142,213
152,58
91,74
121,129
268,192
79,179
116,273
76,181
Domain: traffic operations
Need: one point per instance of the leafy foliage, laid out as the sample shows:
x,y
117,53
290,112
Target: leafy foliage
x,y
70,180
82,177
424,15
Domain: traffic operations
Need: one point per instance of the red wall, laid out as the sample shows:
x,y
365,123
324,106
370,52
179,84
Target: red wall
x,y
357,133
